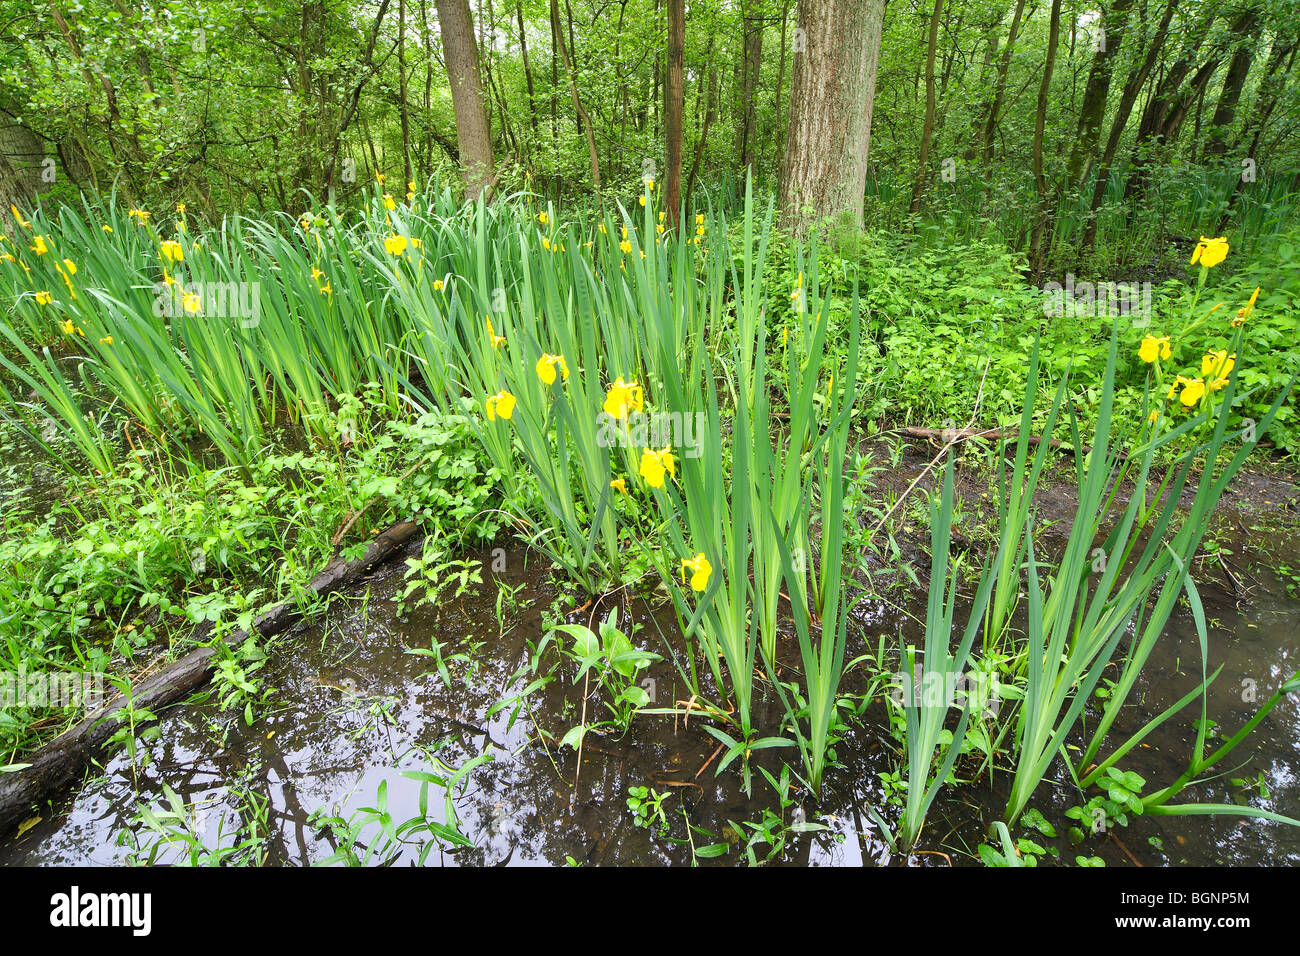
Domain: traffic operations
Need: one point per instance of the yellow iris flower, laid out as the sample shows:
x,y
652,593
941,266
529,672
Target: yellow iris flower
x,y
546,366
1210,252
656,464
1217,364
1192,392
502,405
1153,348
624,397
700,570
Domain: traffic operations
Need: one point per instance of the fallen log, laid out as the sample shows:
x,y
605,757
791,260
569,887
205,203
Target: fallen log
x,y
950,436
61,761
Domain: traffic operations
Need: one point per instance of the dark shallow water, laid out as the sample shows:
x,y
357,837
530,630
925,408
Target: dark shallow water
x,y
353,709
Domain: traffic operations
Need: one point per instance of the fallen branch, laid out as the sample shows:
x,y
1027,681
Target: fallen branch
x,y
60,762
954,435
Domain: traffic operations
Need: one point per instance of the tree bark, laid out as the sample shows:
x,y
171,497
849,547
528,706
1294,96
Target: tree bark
x,y
1238,69
750,68
674,95
401,90
779,99
1093,109
831,98
473,134
710,116
528,70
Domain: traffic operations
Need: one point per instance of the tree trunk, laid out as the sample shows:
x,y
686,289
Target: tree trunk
x,y
674,103
710,116
1238,69
831,98
1128,98
528,71
1037,250
1097,91
1000,84
21,152
472,132
584,121
927,131
779,100
401,90
751,65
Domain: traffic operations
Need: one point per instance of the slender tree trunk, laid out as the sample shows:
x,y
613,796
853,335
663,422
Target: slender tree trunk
x,y
426,166
993,39
1096,93
401,90
1037,249
675,96
751,67
473,135
710,116
927,131
528,70
1238,69
1000,84
1128,98
584,121
779,101
831,98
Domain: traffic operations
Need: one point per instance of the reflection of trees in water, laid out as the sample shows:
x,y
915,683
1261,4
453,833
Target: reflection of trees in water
x,y
320,745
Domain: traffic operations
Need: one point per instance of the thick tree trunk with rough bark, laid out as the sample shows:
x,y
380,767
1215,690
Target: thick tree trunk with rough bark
x,y
456,24
21,154
833,88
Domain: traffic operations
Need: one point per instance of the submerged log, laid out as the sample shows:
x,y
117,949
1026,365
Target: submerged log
x,y
60,762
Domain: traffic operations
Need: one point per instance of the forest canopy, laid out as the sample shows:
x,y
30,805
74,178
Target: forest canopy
x,y
1033,118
